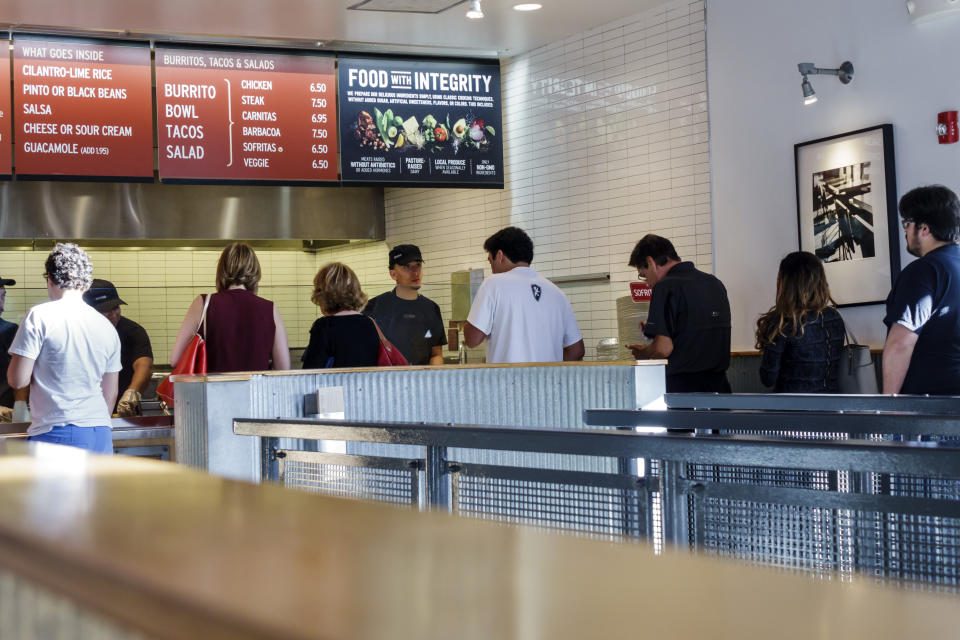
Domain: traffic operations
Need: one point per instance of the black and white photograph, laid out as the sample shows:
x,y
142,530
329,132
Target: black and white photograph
x,y
847,211
843,214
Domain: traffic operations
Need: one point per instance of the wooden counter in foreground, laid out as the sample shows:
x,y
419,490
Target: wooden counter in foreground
x,y
176,553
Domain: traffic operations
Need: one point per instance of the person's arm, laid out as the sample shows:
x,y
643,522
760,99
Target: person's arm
x,y
897,351
188,328
472,336
22,394
19,371
281,349
142,370
659,349
108,385
436,355
772,353
574,352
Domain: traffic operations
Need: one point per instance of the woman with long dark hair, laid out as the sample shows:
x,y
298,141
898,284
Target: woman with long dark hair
x,y
800,337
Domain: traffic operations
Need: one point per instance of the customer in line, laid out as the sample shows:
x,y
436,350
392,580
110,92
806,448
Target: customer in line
x,y
243,331
70,356
136,353
689,319
342,337
523,316
800,337
922,351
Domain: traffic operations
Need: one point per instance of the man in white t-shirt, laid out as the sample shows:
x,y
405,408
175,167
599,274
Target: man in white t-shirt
x,y
69,354
523,316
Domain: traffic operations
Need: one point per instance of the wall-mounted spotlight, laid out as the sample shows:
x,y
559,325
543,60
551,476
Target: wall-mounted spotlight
x,y
474,12
844,72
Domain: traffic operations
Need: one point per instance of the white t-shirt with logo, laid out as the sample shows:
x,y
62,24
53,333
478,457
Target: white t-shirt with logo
x,y
525,316
73,346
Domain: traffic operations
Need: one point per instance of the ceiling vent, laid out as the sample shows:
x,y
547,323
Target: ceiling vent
x,y
406,6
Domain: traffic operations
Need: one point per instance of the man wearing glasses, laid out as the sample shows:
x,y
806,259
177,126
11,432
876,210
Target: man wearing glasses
x,y
409,320
922,351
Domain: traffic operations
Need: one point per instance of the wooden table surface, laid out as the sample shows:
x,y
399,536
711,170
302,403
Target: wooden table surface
x,y
182,554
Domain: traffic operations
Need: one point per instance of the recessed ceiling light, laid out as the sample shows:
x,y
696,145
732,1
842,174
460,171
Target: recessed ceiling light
x,y
530,6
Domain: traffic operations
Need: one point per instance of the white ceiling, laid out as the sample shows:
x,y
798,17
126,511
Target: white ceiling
x,y
503,32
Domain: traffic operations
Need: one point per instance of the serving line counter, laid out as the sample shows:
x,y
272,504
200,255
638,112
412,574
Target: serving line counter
x,y
145,436
119,547
547,395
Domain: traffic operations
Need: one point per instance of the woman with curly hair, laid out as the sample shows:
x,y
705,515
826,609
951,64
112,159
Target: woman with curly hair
x,y
243,331
342,337
800,337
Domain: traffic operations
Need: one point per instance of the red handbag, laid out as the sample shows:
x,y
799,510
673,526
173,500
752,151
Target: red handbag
x,y
388,355
193,360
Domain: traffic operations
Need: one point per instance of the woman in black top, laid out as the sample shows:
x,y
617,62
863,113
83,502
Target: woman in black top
x,y
342,337
802,334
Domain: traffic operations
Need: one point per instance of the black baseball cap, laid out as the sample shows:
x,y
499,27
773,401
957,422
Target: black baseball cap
x,y
102,296
7,282
404,254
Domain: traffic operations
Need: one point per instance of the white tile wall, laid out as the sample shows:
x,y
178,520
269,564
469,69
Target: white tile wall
x,y
606,139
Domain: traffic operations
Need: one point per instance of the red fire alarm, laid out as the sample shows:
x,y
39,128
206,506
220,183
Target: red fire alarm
x,y
947,131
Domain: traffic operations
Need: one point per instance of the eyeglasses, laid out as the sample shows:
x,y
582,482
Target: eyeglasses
x,y
906,222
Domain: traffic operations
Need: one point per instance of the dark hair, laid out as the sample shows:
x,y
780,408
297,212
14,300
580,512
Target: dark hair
x,y
935,206
336,288
801,290
652,246
69,267
238,264
513,241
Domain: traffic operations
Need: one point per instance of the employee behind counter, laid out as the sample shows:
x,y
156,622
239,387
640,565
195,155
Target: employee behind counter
x,y
136,354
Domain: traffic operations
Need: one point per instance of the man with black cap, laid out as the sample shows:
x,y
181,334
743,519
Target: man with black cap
x,y
13,402
409,320
136,355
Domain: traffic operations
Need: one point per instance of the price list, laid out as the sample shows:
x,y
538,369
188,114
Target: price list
x,y
82,109
6,143
227,115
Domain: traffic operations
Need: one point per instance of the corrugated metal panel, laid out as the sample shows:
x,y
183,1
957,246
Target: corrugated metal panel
x,y
189,420
548,396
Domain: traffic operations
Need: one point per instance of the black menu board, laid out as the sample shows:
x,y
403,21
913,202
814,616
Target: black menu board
x,y
420,122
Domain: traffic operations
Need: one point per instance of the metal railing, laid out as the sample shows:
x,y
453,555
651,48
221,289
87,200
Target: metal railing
x,y
787,502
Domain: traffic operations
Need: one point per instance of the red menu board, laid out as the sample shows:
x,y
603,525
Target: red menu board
x,y
232,115
82,108
6,143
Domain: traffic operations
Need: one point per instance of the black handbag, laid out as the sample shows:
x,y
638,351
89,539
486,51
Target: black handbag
x,y
857,375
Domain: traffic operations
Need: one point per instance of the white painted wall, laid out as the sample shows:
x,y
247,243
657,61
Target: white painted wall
x,y
905,75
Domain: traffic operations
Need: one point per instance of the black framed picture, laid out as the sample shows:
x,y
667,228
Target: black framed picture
x,y
847,211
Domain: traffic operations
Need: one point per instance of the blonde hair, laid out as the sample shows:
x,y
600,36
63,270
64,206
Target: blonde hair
x,y
336,288
238,264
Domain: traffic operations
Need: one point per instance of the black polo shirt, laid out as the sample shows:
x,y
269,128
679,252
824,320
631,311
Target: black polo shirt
x,y
134,344
413,326
691,308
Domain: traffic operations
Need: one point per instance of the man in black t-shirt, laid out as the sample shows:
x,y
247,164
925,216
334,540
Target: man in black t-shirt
x,y
409,320
922,350
13,402
136,354
689,319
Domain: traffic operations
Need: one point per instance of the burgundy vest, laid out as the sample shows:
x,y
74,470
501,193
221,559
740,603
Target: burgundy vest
x,y
240,330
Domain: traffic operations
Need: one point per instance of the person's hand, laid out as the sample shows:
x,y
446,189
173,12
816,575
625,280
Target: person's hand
x,y
129,404
6,414
21,412
636,350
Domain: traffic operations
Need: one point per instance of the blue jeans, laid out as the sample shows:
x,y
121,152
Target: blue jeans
x,y
96,439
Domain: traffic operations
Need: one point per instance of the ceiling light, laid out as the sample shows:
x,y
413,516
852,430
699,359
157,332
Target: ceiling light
x,y
530,6
474,12
844,73
809,95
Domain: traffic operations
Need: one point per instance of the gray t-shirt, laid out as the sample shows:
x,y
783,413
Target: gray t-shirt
x,y
73,346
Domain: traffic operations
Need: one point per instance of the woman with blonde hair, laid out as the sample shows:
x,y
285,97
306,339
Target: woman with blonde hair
x,y
342,337
243,331
800,337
